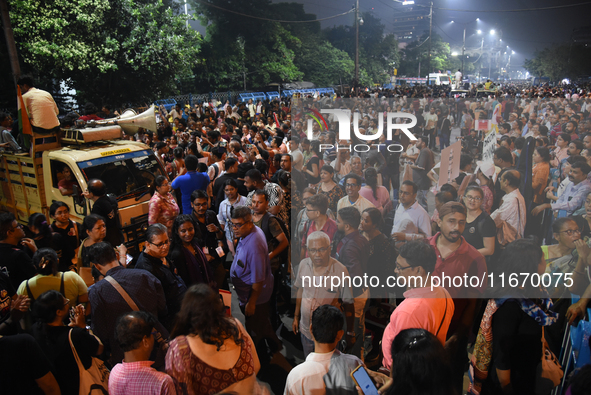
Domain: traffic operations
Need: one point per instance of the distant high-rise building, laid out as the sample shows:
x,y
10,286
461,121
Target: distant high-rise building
x,y
409,22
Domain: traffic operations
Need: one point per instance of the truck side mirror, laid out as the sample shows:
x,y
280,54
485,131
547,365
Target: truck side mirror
x,y
79,200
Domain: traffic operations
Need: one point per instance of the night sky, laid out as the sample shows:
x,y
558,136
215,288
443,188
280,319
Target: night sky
x,y
523,32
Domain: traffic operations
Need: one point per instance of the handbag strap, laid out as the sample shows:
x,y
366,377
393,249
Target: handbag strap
x,y
443,320
29,293
62,288
122,292
76,357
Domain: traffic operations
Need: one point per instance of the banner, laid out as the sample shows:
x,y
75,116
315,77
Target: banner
x,y
483,124
450,163
489,146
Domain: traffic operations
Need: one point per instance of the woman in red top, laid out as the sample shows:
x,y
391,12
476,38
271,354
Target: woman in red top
x,y
210,352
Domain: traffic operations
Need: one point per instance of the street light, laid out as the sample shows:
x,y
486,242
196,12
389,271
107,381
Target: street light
x,y
492,32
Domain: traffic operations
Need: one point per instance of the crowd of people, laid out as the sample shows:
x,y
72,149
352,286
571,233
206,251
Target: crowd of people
x,y
255,203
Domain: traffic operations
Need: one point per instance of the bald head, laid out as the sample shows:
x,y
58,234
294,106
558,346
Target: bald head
x,y
97,187
510,181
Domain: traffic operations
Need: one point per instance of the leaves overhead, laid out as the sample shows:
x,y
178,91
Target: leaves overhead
x,y
110,51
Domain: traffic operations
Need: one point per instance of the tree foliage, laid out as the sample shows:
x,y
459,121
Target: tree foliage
x,y
560,61
238,47
110,51
378,52
417,52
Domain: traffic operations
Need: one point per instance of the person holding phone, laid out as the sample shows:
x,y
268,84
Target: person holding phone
x,y
326,370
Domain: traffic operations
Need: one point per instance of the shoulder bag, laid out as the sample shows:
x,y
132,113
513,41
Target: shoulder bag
x,y
94,380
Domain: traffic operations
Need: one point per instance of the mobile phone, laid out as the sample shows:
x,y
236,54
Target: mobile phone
x,y
249,146
363,381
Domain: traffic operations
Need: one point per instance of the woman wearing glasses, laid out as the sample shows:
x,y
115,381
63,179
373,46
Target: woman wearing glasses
x,y
480,230
562,257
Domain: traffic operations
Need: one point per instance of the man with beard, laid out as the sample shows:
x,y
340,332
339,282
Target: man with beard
x,y
455,257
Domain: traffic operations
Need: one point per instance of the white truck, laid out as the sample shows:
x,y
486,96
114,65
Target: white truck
x,y
29,184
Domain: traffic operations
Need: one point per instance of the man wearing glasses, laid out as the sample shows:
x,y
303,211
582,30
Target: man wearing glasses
x,y
153,259
353,184
423,307
251,276
313,294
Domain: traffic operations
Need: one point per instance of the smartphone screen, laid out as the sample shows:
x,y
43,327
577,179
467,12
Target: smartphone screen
x,y
364,381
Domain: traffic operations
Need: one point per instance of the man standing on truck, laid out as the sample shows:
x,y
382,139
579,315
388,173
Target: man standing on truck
x,y
40,106
458,79
107,208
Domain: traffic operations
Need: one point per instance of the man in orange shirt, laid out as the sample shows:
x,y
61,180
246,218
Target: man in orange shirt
x,y
423,307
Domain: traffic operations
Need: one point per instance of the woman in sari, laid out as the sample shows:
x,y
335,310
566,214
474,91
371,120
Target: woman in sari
x,y
507,349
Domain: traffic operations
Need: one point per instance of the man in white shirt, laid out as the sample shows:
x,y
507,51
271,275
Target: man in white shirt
x,y
411,221
352,187
512,208
458,79
325,370
311,295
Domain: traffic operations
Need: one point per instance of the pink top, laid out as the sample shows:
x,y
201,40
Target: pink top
x,y
162,209
487,202
139,378
381,201
193,376
421,308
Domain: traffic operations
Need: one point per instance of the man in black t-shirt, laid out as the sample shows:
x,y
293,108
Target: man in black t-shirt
x,y
106,207
15,250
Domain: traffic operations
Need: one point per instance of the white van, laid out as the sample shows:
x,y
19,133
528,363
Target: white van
x,y
439,79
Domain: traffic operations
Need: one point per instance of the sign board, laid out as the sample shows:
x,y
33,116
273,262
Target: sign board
x,y
489,146
483,124
450,163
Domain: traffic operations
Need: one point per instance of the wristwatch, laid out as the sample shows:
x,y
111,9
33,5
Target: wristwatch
x,y
350,333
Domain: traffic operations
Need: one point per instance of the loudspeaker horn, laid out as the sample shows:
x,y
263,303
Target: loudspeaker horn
x,y
131,123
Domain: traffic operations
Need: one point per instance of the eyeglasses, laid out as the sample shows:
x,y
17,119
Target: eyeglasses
x,y
473,198
18,226
67,302
310,210
238,226
160,245
400,268
570,232
317,250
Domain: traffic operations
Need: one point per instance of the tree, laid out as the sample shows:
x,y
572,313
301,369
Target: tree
x,y
110,51
378,52
417,51
238,47
560,61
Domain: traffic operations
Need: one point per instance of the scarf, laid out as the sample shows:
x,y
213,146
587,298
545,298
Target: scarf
x,y
482,356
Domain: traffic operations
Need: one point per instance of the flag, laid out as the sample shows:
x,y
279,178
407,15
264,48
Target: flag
x,y
24,125
276,119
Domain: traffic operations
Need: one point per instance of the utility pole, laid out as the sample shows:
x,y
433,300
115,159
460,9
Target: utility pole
x,y
480,63
463,50
430,34
12,54
357,46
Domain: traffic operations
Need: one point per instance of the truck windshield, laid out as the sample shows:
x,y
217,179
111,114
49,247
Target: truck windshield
x,y
127,174
444,79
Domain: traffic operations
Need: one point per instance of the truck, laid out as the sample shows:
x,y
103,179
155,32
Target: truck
x,y
29,181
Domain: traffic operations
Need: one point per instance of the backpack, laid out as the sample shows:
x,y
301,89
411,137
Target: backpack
x,y
265,228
